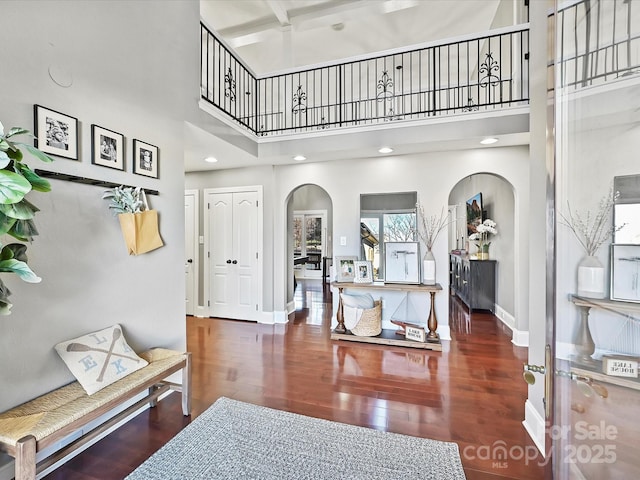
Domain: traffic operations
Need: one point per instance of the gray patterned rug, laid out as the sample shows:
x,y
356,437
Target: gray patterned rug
x,y
236,440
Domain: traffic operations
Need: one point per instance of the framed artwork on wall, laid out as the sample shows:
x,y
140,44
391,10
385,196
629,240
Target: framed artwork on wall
x,y
401,262
364,272
55,132
625,272
346,269
145,159
107,148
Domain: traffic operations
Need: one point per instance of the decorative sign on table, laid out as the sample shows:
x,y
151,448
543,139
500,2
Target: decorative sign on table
x,y
415,333
620,366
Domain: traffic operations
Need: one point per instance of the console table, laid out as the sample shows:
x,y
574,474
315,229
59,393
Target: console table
x,y
389,337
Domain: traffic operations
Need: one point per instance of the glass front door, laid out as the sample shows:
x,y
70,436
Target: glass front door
x,y
596,396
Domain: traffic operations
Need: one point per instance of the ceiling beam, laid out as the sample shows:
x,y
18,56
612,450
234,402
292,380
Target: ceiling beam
x,y
279,11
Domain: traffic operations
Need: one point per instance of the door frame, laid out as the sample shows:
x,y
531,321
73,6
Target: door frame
x,y
197,308
323,214
260,247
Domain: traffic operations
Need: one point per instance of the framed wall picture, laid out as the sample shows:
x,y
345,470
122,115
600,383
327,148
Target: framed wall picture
x,y
55,132
401,262
107,148
145,159
364,271
346,269
625,272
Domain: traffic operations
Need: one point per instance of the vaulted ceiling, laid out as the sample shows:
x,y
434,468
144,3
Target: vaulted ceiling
x,y
271,35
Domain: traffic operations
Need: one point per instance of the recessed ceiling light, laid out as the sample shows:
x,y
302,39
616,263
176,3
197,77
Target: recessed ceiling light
x,y
488,141
299,158
211,159
385,150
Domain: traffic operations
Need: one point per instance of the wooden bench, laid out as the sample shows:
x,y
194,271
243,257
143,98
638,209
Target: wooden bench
x,y
33,426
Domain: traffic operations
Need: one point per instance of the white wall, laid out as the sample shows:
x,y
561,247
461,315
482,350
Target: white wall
x,y
133,64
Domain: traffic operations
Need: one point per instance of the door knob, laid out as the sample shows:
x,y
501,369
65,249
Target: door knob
x,y
190,260
229,261
547,371
234,262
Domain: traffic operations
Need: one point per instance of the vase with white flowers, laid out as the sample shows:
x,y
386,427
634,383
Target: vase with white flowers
x,y
481,238
591,231
429,227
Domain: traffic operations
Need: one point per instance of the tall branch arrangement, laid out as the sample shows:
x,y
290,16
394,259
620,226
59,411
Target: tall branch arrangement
x,y
592,231
430,226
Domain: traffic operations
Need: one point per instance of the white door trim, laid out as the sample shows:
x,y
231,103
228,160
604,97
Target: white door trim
x,y
196,251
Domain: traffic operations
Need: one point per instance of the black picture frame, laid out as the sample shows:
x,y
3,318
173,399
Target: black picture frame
x,y
107,148
146,158
56,133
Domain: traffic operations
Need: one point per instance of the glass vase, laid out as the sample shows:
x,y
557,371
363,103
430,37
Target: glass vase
x,y
483,252
591,282
428,269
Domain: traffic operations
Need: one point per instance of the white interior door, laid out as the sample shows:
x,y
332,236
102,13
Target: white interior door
x,y
232,239
190,245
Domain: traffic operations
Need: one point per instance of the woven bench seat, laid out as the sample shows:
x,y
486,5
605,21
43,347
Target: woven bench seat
x,y
49,418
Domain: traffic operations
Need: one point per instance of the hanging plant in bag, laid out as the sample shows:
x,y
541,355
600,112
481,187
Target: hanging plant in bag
x,y
138,223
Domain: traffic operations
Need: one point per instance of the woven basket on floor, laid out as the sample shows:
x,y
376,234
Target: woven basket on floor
x,y
370,323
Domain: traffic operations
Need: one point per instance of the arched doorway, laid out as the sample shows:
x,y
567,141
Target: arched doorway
x,y
309,236
498,204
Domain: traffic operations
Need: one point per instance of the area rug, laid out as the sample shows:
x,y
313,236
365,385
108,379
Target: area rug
x,y
237,440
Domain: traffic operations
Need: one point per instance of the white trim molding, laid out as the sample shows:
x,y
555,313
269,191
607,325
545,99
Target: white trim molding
x,y
519,338
534,425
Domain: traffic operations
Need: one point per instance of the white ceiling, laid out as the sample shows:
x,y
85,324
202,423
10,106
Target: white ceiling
x,y
273,35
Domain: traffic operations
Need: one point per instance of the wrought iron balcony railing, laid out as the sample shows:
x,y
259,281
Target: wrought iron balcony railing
x,y
599,41
484,73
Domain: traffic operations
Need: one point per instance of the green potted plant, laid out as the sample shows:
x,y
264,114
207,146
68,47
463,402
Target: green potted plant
x,y
16,212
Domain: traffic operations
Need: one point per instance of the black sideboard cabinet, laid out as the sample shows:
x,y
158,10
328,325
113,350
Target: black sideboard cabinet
x,y
473,281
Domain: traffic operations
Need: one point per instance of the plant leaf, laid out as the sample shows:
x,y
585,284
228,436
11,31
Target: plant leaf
x,y
4,159
23,230
6,223
17,131
15,250
21,210
13,187
21,269
36,153
38,183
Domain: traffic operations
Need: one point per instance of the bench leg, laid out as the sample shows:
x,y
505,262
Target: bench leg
x,y
153,402
26,458
186,387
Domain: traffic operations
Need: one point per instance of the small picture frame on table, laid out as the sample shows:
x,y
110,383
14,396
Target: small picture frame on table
x,y
625,272
363,270
55,132
401,262
107,148
346,269
145,159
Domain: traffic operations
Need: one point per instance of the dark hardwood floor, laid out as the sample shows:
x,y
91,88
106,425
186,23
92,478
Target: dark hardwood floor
x,y
471,393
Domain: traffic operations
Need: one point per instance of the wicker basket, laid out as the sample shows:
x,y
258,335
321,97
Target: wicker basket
x,y
370,323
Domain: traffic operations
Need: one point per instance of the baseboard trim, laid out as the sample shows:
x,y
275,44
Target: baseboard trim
x,y
201,312
534,424
519,338
291,307
444,331
280,317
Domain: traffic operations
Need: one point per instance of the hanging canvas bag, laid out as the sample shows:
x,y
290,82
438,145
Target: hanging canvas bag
x,y
140,230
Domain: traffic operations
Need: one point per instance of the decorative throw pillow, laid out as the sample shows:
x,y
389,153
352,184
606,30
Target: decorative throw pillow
x,y
100,358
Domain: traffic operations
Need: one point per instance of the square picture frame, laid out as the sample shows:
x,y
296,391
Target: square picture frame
x,y
55,133
345,268
107,148
401,262
625,272
145,159
364,271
